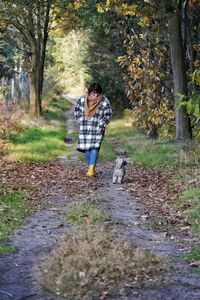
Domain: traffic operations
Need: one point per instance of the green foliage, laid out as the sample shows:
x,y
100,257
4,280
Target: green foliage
x,y
122,45
7,52
192,104
146,74
100,54
12,213
102,58
68,68
29,22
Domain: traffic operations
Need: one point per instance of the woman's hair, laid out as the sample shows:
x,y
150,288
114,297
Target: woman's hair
x,y
95,87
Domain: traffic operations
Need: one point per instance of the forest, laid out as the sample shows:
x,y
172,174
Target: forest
x,y
67,234
145,53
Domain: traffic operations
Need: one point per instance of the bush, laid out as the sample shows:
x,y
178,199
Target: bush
x,y
11,115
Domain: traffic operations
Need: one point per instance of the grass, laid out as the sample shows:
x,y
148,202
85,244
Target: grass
x,y
42,141
12,214
55,109
161,153
190,201
85,213
7,249
106,152
38,144
194,257
92,263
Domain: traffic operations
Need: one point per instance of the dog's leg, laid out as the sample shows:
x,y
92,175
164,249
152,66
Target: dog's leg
x,y
114,179
119,179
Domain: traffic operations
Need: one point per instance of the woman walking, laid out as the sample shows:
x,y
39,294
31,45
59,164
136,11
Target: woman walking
x,y
93,113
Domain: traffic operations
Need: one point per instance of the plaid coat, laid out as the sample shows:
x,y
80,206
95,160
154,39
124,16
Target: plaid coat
x,y
91,131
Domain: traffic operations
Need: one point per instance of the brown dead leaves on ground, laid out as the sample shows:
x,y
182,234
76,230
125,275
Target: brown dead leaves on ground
x,y
156,193
42,180
154,190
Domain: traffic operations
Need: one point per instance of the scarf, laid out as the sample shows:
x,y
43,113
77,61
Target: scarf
x,y
91,105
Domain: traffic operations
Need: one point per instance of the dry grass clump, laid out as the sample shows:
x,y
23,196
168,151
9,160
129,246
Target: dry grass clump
x,y
11,115
4,147
10,121
189,154
85,212
92,263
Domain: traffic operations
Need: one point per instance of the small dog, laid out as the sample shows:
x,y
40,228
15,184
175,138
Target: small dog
x,y
119,170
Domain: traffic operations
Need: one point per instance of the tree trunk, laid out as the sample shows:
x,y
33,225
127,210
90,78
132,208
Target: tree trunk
x,y
183,126
38,49
33,95
44,43
34,83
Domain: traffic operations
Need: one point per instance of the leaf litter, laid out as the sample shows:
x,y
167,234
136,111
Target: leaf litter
x,y
151,188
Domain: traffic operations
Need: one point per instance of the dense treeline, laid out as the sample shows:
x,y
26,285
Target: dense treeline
x,y
145,54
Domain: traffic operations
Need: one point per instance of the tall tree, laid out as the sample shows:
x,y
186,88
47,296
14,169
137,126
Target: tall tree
x,y
178,59
30,20
147,10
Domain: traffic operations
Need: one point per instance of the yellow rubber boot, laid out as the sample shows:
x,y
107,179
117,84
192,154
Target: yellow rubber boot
x,y
91,171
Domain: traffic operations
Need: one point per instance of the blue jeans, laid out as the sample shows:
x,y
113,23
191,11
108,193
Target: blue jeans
x,y
91,156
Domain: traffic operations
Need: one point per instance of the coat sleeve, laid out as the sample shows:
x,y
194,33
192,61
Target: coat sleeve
x,y
78,111
106,116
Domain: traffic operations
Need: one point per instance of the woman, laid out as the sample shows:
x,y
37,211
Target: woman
x,y
92,112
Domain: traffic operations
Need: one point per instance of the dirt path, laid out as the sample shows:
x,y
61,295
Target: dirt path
x,y
43,229
35,239
179,284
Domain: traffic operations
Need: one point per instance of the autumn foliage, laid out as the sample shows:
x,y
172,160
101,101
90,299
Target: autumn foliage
x,y
146,88
11,115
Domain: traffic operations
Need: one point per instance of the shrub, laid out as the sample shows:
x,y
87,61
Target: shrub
x,y
11,115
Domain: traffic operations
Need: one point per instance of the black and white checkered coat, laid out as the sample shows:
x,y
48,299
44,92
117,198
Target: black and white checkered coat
x,y
91,131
